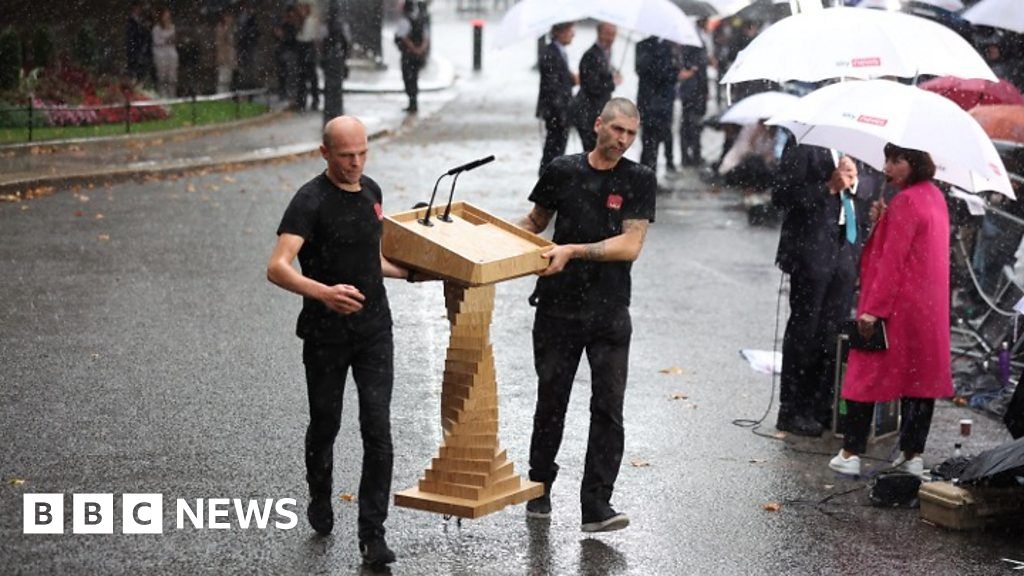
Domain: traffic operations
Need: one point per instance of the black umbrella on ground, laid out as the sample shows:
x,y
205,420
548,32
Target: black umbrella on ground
x,y
997,467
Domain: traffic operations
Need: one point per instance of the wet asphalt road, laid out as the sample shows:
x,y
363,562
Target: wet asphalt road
x,y
145,352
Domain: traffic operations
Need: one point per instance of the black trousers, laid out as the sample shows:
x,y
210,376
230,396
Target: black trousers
x,y
372,363
915,423
306,81
652,136
818,304
690,126
411,79
587,135
556,127
558,345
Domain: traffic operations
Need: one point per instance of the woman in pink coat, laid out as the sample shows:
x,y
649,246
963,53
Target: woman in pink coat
x,y
904,281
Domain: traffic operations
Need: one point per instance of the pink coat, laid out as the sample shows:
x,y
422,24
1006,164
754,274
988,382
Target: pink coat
x,y
904,279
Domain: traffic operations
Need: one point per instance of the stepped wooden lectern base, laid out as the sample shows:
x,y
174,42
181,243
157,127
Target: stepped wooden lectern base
x,y
471,476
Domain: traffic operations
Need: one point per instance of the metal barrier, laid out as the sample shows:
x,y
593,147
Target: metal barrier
x,y
236,96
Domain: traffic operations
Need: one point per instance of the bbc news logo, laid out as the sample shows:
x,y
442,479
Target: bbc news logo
x,y
144,514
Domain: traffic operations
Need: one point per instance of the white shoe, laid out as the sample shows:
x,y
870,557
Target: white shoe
x,y
913,466
849,466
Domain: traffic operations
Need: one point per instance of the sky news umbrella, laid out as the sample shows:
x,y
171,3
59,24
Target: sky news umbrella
x,y
970,93
1001,122
859,117
757,107
853,43
1000,463
1003,14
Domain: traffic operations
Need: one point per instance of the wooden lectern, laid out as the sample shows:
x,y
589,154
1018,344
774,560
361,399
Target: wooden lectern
x,y
471,476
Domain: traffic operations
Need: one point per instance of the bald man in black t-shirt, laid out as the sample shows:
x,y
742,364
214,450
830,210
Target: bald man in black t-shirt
x,y
333,226
603,203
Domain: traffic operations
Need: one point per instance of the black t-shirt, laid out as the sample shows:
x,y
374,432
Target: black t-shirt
x,y
590,206
341,232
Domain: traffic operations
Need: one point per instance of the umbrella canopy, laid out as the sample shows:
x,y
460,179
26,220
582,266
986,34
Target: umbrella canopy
x,y
754,108
854,43
860,117
696,8
764,11
659,18
969,93
1001,122
1001,463
1003,14
532,18
948,5
728,7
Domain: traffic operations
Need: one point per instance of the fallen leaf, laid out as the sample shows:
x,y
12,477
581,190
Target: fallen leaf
x,y
79,213
83,198
94,356
15,482
100,216
24,207
829,486
771,507
191,188
346,497
229,179
779,435
674,370
638,463
103,237
678,396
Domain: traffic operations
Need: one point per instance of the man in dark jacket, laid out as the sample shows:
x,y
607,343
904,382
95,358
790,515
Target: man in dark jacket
x,y
818,247
693,95
554,100
658,70
138,44
597,82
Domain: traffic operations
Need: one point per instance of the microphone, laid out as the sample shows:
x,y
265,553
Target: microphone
x,y
471,165
426,217
446,217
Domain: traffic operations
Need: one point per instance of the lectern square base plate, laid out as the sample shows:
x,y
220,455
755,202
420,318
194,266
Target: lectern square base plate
x,y
464,508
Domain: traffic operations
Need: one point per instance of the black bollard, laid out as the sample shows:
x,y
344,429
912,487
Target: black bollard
x,y
478,45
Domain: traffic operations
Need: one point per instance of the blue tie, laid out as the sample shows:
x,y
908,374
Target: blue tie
x,y
851,217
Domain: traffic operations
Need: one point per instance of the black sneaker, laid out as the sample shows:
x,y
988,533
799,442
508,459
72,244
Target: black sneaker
x,y
376,552
539,507
321,515
604,519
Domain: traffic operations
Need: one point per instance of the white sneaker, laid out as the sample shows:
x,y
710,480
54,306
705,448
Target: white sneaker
x,y
913,466
849,466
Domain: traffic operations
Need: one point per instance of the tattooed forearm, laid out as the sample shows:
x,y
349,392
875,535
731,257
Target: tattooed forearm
x,y
595,251
638,226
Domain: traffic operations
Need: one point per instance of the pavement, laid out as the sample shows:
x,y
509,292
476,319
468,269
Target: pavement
x,y
376,96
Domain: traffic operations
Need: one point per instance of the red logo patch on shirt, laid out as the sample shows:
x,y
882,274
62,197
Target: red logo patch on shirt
x,y
378,210
614,202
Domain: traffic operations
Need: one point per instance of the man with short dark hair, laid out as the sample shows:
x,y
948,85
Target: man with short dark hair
x,y
333,226
556,82
597,82
603,203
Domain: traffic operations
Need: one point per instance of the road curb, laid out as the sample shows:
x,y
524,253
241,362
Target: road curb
x,y
30,187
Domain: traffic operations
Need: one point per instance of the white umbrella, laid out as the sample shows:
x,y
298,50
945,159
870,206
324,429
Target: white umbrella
x,y
1003,14
659,18
662,18
851,43
533,18
758,107
728,7
859,117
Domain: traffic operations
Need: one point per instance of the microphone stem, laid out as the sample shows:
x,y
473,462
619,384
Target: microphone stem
x,y
448,209
426,217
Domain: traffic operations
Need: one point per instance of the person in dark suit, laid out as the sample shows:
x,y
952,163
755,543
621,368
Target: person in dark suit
x,y
693,95
818,248
555,98
597,82
657,69
138,45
